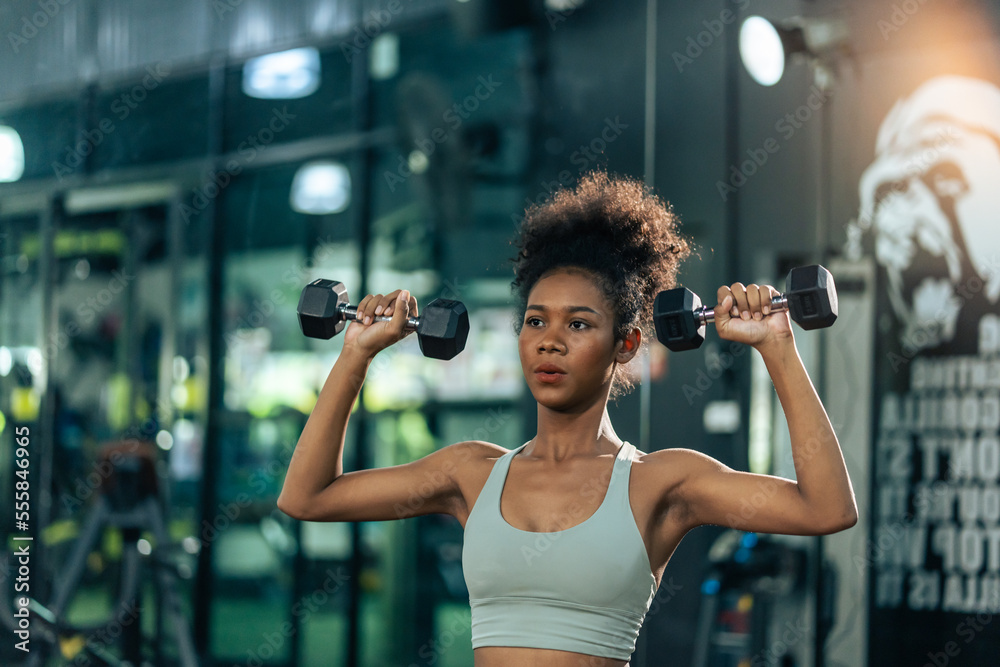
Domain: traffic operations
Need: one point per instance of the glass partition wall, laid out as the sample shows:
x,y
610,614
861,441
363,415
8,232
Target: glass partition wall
x,y
170,262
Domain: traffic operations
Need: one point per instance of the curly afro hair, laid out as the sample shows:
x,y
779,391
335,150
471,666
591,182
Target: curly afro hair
x,y
616,230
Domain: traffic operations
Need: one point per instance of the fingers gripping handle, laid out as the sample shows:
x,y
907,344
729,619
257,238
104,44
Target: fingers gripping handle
x,y
706,314
349,312
442,329
810,297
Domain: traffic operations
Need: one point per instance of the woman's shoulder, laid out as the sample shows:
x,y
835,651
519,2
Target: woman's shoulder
x,y
470,464
676,460
664,473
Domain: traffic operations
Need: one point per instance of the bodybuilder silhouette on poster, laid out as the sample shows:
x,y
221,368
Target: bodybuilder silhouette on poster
x,y
932,199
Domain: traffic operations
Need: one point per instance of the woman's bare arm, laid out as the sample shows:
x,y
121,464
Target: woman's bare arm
x,y
821,499
316,488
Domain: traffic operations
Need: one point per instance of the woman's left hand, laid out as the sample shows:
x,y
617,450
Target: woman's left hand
x,y
744,315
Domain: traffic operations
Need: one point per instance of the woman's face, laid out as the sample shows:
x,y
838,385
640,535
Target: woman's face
x,y
567,344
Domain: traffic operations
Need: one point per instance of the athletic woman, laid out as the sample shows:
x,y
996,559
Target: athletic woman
x,y
567,535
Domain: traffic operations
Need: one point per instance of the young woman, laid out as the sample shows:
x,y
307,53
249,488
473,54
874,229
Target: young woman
x,y
567,535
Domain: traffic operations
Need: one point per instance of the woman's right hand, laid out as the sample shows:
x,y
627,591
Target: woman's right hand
x,y
371,337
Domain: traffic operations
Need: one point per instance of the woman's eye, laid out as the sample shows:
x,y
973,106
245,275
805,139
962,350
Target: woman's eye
x,y
579,325
533,321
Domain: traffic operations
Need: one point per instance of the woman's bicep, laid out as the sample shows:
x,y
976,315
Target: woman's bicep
x,y
715,494
425,486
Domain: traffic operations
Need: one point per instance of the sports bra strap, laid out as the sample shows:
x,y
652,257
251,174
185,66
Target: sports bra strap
x,y
618,487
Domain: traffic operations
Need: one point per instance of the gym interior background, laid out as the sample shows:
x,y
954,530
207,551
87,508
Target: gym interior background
x,y
173,174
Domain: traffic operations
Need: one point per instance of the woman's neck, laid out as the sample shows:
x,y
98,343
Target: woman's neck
x,y
568,435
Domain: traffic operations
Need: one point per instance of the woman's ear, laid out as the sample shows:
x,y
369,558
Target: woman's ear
x,y
628,347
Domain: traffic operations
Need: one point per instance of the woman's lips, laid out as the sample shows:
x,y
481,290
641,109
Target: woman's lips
x,y
549,375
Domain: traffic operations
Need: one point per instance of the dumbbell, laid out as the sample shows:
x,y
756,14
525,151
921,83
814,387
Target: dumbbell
x,y
324,310
810,297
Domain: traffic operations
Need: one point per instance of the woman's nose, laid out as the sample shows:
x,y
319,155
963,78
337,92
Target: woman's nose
x,y
550,342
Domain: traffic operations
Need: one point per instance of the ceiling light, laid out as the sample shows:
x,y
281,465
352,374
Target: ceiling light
x,y
321,187
385,56
284,75
11,155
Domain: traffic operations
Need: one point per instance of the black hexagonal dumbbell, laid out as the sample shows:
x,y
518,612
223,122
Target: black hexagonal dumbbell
x,y
810,297
442,329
